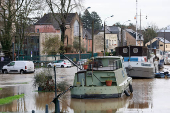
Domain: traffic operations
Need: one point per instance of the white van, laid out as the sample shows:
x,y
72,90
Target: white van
x,y
18,67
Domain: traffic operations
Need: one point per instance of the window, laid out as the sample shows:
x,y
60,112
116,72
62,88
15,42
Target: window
x,y
161,45
166,46
80,76
135,50
114,42
11,64
125,50
89,42
37,30
107,43
76,28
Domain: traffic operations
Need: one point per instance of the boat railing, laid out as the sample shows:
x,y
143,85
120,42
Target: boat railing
x,y
116,64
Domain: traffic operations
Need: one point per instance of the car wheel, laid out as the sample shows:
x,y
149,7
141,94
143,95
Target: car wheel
x,y
5,71
62,66
21,72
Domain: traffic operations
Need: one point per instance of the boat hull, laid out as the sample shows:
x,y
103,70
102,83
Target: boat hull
x,y
82,92
139,72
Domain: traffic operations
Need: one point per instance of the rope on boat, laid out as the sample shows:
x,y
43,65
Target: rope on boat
x,y
72,62
64,91
97,78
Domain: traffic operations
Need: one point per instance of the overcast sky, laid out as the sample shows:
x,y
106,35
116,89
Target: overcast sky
x,y
157,11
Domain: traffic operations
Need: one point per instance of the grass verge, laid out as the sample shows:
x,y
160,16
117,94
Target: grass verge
x,y
0,88
22,83
10,99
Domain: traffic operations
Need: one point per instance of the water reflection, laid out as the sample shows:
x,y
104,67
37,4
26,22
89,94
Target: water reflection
x,y
17,105
142,95
99,105
150,95
43,98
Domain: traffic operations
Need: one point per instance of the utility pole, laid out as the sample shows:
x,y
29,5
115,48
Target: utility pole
x,y
136,23
164,41
140,28
104,38
92,36
79,37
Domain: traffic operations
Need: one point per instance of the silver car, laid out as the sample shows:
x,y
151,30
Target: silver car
x,y
60,63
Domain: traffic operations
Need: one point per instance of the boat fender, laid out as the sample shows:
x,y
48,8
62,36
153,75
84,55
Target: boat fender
x,y
129,67
126,93
130,88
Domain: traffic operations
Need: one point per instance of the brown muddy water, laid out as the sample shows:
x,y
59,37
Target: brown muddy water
x,y
149,96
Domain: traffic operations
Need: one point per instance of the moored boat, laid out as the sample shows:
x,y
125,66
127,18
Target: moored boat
x,y
91,82
135,61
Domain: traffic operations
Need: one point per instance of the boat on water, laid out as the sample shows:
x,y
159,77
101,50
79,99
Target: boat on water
x,y
136,62
160,54
92,82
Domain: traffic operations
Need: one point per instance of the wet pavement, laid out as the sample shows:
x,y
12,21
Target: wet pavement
x,y
149,96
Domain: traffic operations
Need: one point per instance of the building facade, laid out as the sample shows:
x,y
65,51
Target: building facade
x,y
129,38
47,24
159,43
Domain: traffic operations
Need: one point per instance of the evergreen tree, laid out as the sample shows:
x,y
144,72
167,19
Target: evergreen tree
x,y
87,20
97,20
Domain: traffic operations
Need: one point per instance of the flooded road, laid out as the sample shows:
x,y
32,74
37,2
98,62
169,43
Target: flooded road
x,y
149,96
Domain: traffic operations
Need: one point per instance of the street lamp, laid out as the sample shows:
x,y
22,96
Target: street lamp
x,y
126,21
80,34
104,32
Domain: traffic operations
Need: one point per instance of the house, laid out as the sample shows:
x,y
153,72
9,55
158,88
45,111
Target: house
x,y
87,36
112,39
47,24
165,34
129,38
158,43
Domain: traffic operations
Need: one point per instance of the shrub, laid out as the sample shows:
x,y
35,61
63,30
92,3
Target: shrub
x,y
41,78
44,80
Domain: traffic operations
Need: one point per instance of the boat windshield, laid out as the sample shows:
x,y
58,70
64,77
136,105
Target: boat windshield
x,y
107,64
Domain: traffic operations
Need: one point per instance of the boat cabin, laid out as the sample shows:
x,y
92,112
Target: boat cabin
x,y
100,70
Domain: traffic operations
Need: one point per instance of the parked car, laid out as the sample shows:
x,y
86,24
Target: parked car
x,y
60,63
81,61
51,64
18,67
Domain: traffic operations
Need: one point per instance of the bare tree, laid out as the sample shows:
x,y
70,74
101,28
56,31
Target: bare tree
x,y
60,10
150,32
8,13
23,19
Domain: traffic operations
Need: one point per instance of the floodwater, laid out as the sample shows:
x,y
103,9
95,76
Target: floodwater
x,y
149,96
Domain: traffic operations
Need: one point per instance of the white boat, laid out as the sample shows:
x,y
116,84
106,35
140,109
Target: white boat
x,y
137,66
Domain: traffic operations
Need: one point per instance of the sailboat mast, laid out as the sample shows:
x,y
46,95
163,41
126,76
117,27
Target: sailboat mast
x,y
136,22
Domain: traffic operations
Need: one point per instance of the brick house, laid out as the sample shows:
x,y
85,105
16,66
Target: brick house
x,y
47,24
